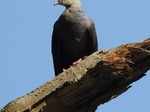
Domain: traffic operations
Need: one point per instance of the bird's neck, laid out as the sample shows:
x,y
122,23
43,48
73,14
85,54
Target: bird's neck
x,y
74,11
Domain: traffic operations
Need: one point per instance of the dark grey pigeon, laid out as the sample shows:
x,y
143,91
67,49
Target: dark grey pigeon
x,y
73,37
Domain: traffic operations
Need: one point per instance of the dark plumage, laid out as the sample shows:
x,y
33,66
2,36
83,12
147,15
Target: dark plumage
x,y
73,37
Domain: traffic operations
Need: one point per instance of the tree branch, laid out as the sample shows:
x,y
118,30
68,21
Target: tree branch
x,y
97,79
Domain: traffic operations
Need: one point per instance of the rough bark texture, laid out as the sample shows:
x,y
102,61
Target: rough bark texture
x,y
97,79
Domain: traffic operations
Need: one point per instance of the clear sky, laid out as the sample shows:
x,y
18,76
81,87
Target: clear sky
x,y
25,43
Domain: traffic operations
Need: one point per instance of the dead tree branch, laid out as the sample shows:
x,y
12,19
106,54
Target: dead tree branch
x,y
97,79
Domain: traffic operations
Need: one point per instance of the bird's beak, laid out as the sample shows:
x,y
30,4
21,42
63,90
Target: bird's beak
x,y
56,2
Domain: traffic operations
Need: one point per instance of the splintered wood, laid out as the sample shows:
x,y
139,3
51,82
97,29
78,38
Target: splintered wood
x,y
95,80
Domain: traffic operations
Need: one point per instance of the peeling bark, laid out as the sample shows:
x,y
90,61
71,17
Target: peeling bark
x,y
97,79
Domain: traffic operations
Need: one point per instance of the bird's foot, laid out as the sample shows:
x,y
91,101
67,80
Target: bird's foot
x,y
64,70
76,62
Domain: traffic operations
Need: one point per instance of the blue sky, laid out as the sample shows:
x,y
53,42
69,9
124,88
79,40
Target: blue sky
x,y
25,35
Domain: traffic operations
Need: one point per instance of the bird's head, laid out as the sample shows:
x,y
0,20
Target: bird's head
x,y
67,3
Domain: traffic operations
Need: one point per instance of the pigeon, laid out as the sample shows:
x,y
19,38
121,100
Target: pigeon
x,y
74,36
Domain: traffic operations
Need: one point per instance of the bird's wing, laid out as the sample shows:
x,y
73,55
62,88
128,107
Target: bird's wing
x,y
92,38
56,46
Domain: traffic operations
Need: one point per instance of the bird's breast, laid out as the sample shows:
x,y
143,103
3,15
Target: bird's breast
x,y
73,40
